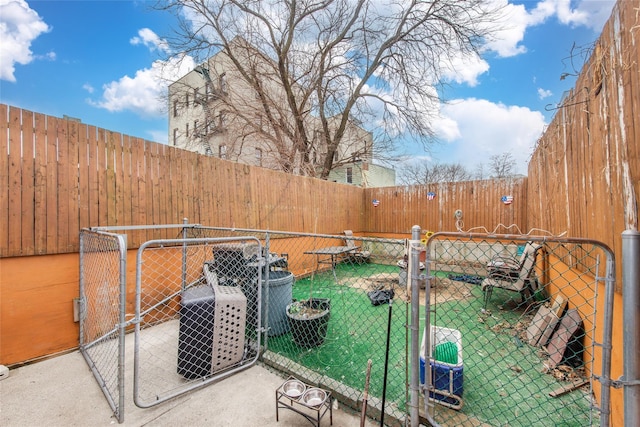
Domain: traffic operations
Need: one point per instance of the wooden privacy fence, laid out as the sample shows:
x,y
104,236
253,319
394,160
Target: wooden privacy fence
x,y
584,176
58,176
483,204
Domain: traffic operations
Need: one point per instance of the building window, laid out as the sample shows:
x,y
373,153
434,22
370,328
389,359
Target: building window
x,y
222,120
195,127
186,100
223,83
175,108
196,94
187,131
175,136
258,156
222,151
350,175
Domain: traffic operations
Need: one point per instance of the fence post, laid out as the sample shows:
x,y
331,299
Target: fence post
x,y
414,379
185,221
631,325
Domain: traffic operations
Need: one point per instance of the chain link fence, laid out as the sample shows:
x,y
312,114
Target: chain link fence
x,y
101,312
345,300
514,336
516,331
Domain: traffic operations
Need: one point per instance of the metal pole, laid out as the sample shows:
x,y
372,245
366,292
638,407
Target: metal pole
x,y
607,345
184,253
122,242
631,325
414,380
386,364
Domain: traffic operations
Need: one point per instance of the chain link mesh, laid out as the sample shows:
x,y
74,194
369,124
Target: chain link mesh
x,y
100,290
333,316
513,330
513,335
198,308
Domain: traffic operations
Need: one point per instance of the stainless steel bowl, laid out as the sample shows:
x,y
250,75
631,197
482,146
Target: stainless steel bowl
x,y
293,388
314,397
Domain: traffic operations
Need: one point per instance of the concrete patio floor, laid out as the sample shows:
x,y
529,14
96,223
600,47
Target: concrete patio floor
x,y
61,391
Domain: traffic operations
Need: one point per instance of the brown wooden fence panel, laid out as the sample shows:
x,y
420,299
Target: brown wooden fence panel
x,y
399,208
4,182
584,176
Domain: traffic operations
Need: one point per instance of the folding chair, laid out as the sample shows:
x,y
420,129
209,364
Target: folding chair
x,y
357,255
511,277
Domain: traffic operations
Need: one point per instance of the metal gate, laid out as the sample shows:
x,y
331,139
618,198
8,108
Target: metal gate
x,y
101,311
198,313
518,330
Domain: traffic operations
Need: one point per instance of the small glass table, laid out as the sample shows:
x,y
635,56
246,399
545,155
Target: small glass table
x,y
309,401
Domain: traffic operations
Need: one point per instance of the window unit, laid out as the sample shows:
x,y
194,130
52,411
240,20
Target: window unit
x,y
259,156
223,83
222,151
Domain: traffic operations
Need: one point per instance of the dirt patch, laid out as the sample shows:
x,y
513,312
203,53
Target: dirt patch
x,y
442,289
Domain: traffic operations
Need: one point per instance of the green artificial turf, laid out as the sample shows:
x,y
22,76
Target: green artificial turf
x,y
357,332
503,379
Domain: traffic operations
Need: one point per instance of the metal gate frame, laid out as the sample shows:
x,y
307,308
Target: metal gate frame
x,y
101,308
141,312
609,282
97,284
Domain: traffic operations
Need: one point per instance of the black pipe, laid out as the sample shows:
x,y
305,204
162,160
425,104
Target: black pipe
x,y
386,364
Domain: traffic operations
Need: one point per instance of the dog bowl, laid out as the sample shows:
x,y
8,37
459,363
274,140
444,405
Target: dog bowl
x,y
314,397
293,388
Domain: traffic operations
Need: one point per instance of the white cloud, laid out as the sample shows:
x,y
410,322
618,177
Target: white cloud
x,y
483,129
145,93
19,26
88,87
598,12
509,31
544,93
465,69
151,40
507,41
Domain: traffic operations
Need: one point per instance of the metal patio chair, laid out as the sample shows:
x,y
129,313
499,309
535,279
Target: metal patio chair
x,y
518,277
357,254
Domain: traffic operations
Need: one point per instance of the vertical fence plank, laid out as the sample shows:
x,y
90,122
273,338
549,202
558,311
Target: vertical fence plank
x,y
52,185
63,187
4,180
118,165
40,185
111,181
134,144
28,168
73,228
15,181
83,177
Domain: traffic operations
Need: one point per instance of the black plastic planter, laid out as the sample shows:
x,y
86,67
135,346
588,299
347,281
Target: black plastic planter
x,y
308,321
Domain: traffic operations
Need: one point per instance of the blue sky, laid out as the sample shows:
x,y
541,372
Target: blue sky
x,y
103,62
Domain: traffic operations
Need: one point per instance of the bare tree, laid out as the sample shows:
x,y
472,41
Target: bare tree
x,y
502,165
317,68
424,173
480,171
